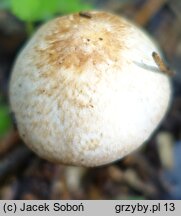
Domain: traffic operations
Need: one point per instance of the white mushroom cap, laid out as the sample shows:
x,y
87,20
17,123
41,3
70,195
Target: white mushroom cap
x,y
86,90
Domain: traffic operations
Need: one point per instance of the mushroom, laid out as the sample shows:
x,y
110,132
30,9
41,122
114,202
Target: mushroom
x,y
86,89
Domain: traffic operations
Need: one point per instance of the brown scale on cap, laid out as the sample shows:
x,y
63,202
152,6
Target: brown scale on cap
x,y
78,42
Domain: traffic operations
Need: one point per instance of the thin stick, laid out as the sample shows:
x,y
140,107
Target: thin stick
x,y
85,14
148,10
161,65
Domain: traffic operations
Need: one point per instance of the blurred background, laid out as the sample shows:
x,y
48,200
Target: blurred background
x,y
153,172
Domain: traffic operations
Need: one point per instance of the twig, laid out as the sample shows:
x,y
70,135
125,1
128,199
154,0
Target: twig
x,y
148,10
85,14
161,65
144,168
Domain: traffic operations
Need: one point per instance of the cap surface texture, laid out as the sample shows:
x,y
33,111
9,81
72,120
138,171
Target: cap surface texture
x,y
86,90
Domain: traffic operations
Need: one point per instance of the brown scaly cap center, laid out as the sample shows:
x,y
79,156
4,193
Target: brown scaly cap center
x,y
78,40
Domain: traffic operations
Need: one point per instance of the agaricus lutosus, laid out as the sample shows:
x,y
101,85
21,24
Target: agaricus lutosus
x,y
87,89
